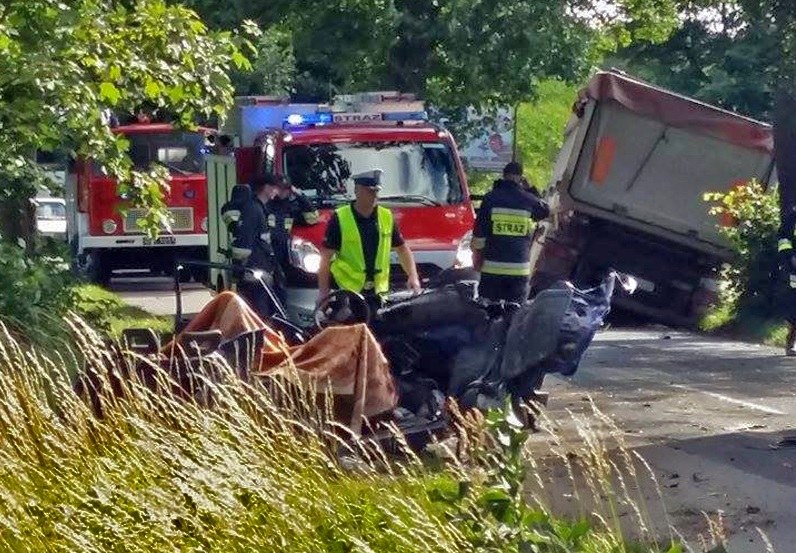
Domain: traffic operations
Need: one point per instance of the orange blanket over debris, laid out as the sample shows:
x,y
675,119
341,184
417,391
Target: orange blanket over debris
x,y
347,359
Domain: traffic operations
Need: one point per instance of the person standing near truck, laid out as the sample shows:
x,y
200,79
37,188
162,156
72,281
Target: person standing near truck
x,y
356,249
253,243
285,207
502,236
787,262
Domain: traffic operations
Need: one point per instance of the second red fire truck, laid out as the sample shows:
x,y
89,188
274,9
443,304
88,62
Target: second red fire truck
x,y
103,240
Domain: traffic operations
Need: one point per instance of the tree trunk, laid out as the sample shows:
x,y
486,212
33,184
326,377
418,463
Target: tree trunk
x,y
785,146
18,221
785,102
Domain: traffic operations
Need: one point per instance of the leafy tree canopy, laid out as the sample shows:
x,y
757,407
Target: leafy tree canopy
x,y
62,64
454,53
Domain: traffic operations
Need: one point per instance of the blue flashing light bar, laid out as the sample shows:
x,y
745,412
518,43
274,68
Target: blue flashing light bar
x,y
308,119
405,116
320,118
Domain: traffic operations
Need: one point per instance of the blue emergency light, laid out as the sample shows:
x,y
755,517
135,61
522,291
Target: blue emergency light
x,y
319,118
307,119
405,116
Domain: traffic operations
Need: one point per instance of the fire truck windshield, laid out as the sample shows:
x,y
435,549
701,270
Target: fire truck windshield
x,y
181,152
413,172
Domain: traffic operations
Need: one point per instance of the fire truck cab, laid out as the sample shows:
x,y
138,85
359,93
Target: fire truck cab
x,y
318,148
103,240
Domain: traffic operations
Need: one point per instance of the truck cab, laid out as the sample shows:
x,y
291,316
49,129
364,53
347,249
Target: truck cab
x,y
104,240
318,148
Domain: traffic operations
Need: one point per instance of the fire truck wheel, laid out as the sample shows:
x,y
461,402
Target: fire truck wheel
x,y
185,275
200,275
92,268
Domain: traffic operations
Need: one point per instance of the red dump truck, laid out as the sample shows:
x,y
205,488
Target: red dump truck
x,y
627,192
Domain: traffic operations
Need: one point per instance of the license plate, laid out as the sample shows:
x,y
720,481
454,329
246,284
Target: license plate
x,y
160,241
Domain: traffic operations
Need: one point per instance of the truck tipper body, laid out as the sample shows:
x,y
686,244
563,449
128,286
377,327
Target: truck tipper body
x,y
628,193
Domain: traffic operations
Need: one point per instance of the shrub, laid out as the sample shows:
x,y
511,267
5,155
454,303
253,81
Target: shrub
x,y
37,291
34,290
749,220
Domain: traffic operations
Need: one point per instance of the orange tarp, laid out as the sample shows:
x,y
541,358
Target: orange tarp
x,y
347,359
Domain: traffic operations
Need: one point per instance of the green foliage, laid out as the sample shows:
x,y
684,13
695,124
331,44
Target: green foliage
x,y
751,217
108,313
455,53
540,134
491,510
725,56
62,64
39,290
254,474
274,70
34,289
540,129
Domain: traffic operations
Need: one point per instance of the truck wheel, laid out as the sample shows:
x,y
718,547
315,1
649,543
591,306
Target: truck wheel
x,y
200,275
93,268
185,275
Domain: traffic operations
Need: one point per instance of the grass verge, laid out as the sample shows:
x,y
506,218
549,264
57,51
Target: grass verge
x,y
107,311
247,468
727,321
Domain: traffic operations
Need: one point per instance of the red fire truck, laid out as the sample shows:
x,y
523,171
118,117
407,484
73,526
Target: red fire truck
x,y
102,240
317,148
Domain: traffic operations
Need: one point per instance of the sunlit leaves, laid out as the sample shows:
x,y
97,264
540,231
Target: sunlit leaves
x,y
63,64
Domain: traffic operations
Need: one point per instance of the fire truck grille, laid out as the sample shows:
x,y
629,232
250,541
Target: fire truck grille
x,y
182,220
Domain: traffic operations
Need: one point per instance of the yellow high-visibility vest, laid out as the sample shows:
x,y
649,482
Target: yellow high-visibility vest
x,y
348,264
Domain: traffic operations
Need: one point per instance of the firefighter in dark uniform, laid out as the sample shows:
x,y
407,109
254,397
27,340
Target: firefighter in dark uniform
x,y
787,259
502,237
286,207
252,250
356,249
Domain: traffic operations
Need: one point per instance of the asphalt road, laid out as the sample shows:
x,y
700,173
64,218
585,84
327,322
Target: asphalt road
x,y
157,296
706,415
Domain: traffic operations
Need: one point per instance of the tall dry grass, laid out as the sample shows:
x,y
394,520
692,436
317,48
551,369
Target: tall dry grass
x,y
261,466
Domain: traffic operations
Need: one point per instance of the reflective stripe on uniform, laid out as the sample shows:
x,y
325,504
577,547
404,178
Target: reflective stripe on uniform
x,y
506,269
784,245
510,211
511,222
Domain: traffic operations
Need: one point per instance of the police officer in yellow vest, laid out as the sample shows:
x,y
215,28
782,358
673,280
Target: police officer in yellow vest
x,y
356,249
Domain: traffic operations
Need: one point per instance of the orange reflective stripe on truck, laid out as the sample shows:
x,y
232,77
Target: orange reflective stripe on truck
x,y
603,160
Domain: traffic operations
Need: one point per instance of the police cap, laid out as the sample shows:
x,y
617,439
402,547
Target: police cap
x,y
371,179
